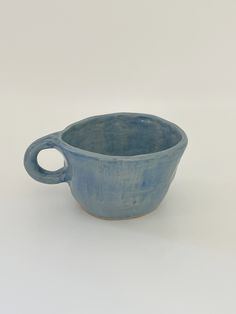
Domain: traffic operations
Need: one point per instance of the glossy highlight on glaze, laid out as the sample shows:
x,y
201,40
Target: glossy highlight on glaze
x,y
117,165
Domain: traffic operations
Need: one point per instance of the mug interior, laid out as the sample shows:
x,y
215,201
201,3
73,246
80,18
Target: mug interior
x,y
122,134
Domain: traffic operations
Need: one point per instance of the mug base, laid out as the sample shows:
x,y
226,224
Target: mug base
x,y
117,218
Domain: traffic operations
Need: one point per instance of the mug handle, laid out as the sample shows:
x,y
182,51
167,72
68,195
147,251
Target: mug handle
x,y
33,168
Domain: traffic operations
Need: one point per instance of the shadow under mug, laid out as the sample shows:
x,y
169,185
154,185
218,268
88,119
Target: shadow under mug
x,y
117,165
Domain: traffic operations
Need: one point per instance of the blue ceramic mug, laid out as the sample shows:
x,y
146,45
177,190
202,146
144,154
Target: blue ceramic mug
x,y
117,165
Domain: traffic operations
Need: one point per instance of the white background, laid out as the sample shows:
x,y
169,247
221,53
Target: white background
x,y
61,61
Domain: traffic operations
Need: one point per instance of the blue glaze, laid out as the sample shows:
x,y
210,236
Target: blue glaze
x,y
117,165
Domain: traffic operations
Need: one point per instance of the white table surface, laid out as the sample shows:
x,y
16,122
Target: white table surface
x,y
64,61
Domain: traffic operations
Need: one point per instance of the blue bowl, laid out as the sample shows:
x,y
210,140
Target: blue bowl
x,y
117,165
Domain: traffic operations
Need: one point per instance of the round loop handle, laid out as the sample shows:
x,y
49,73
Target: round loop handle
x,y
33,168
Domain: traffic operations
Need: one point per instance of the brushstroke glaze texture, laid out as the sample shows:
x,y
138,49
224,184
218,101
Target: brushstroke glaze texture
x,y
117,165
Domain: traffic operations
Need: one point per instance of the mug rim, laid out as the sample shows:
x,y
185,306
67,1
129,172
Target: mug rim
x,y
180,145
